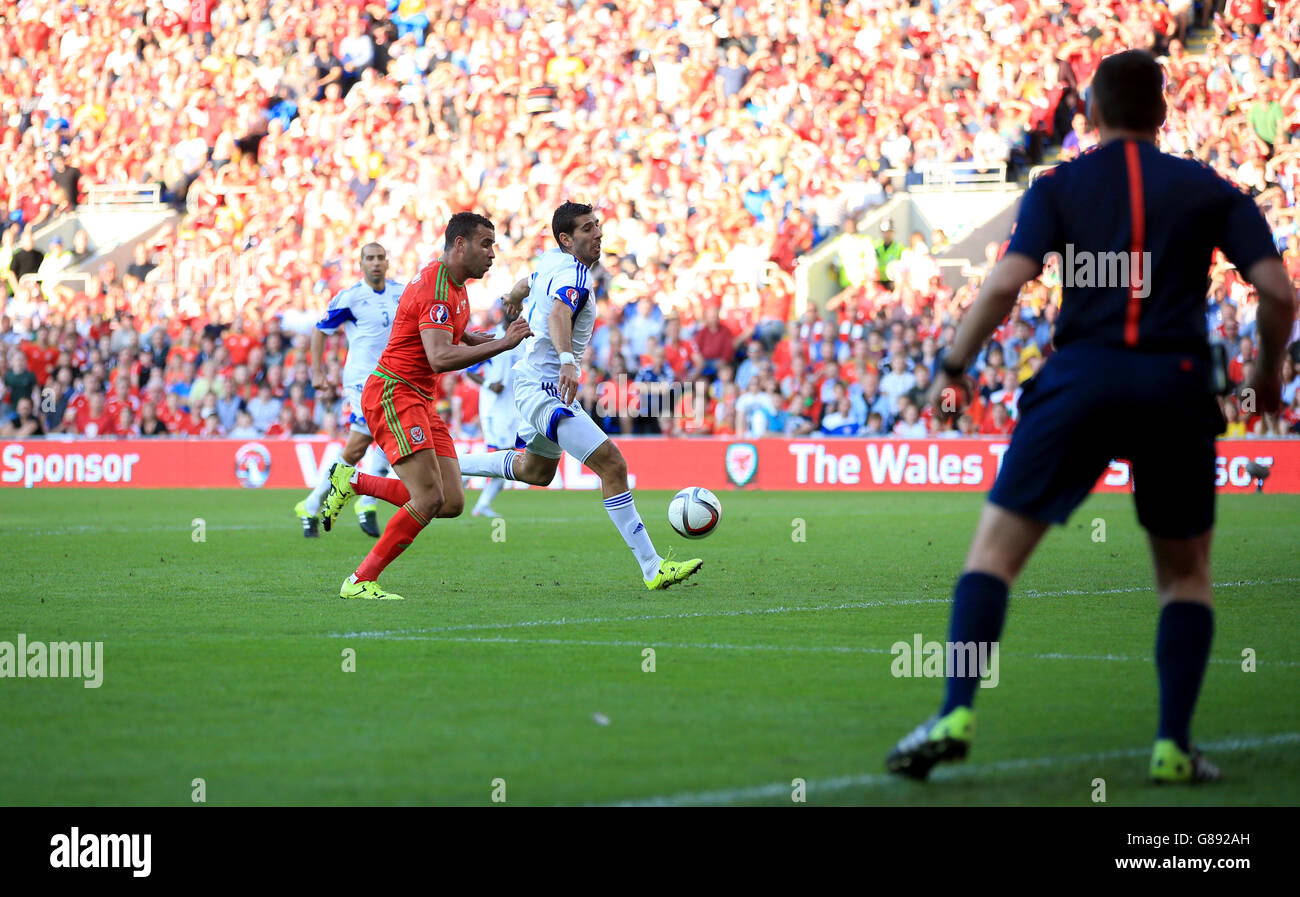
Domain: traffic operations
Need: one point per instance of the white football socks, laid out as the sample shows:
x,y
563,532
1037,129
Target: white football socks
x,y
318,494
622,510
490,491
372,462
489,464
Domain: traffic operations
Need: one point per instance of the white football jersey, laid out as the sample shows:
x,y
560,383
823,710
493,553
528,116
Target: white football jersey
x,y
560,278
366,316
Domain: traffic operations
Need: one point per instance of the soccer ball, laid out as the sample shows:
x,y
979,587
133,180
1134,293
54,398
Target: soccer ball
x,y
694,512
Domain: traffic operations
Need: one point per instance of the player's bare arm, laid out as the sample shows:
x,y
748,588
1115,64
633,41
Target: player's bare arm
x,y
997,297
1273,321
513,301
560,328
518,293
317,359
474,338
444,355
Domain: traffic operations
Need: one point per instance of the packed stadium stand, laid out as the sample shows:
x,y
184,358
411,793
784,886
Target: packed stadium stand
x,y
722,147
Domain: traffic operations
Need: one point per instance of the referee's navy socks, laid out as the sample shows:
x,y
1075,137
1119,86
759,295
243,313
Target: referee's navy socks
x,y
979,607
1183,639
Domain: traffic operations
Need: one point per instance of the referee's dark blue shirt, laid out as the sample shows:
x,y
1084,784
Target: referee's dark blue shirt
x,y
1128,197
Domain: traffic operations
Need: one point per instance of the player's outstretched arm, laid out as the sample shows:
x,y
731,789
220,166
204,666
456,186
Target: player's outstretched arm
x,y
1273,322
317,359
444,355
559,325
513,300
519,292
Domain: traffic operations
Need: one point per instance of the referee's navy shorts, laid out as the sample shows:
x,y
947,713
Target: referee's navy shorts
x,y
1090,404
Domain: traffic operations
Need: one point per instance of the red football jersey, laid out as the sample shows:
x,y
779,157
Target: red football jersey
x,y
39,361
468,394
238,345
114,405
104,425
431,300
679,355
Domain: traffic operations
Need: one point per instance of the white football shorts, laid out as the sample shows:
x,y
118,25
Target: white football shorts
x,y
549,427
357,422
501,425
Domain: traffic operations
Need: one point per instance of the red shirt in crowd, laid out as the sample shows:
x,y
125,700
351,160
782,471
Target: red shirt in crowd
x,y
200,18
989,426
40,361
1249,11
1235,368
189,425
115,403
715,345
678,356
238,345
104,425
468,394
173,421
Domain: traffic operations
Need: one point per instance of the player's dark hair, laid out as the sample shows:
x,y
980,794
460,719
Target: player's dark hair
x,y
566,217
463,224
1128,91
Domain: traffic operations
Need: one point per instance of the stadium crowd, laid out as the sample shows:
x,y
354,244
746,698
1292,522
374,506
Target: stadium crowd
x,y
719,141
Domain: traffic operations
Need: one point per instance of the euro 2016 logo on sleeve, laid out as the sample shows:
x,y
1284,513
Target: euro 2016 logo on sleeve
x,y
417,435
440,314
741,462
252,465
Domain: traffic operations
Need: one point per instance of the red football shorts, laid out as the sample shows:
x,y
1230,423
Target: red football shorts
x,y
402,421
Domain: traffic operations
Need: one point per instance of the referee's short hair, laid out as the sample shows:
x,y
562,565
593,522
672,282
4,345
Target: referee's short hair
x,y
1128,91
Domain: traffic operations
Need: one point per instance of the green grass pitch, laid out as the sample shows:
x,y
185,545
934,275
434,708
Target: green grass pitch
x,y
522,660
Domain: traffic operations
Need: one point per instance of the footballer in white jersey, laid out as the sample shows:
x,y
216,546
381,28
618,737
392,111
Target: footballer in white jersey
x,y
365,310
560,277
561,282
366,316
561,312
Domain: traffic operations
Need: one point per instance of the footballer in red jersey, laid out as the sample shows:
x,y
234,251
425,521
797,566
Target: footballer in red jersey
x,y
428,338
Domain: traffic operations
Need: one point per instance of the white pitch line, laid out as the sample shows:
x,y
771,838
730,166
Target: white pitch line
x,y
711,646
958,773
1068,593
291,526
691,615
87,529
812,649
852,605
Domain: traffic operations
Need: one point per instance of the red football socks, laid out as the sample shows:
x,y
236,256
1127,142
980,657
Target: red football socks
x,y
400,532
390,490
